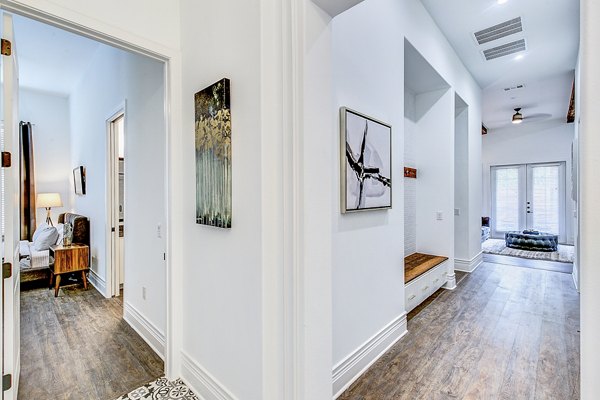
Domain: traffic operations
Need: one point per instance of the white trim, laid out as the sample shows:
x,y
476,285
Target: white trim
x,y
17,374
146,329
202,383
98,282
355,364
111,184
575,276
468,265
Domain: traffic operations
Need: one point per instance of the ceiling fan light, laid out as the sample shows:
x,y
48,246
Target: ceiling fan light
x,y
517,118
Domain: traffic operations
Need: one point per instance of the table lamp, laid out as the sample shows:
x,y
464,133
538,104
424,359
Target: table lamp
x,y
47,201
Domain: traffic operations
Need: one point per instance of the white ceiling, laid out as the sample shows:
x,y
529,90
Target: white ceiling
x,y
50,59
551,31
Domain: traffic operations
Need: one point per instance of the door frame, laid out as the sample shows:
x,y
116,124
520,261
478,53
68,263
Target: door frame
x,y
11,286
524,169
171,58
113,244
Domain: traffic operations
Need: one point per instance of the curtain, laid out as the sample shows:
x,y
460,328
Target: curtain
x,y
28,209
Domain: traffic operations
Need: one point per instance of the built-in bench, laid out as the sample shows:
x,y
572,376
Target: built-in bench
x,y
424,274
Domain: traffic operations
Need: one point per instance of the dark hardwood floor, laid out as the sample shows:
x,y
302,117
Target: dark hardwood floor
x,y
506,332
77,346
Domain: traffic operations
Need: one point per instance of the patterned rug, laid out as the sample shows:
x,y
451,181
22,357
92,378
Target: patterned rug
x,y
161,389
498,246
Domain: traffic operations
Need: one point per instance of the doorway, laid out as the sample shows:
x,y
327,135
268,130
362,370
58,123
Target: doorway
x,y
529,196
116,200
137,324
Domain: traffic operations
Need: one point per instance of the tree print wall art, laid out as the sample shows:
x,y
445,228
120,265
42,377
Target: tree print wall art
x,y
366,155
213,155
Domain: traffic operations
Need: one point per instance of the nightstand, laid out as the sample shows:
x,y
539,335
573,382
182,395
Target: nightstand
x,y
69,259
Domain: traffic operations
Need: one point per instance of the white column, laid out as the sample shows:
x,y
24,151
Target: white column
x,y
590,198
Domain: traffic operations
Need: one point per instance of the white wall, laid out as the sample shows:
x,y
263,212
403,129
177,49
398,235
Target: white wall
x,y
222,292
113,78
155,22
368,248
589,143
410,185
546,142
461,184
435,145
49,114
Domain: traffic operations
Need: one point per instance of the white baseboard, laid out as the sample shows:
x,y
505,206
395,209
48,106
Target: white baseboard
x,y
202,383
98,282
356,363
148,331
468,265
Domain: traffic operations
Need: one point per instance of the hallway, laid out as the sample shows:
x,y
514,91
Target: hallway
x,y
506,332
77,346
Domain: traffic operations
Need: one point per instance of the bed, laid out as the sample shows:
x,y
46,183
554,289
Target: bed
x,y
34,263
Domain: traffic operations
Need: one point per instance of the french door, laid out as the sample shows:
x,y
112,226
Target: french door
x,y
528,196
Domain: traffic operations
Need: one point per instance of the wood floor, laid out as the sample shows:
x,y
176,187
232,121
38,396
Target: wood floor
x,y
77,346
506,332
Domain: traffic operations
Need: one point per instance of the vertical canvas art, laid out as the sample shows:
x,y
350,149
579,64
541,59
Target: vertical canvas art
x,y
366,155
213,155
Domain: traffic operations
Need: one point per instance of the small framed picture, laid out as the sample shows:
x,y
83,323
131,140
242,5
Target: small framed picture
x,y
366,162
79,180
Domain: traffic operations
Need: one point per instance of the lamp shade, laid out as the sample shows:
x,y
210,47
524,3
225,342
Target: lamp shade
x,y
48,200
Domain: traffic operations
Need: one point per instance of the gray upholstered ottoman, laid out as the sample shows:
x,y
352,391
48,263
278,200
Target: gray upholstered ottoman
x,y
532,240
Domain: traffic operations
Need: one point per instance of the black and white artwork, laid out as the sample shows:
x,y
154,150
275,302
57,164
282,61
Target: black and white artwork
x,y
366,154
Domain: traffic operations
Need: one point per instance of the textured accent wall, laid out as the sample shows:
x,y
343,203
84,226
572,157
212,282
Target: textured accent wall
x,y
410,185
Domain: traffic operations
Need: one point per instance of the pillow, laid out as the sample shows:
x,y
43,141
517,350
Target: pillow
x,y
39,230
61,233
46,237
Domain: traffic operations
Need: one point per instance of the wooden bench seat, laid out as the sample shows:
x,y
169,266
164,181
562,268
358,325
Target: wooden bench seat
x,y
417,264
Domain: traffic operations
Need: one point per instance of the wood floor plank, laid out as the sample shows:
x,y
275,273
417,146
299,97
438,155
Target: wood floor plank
x,y
506,332
77,346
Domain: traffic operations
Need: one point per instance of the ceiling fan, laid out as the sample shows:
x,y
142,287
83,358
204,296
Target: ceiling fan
x,y
518,117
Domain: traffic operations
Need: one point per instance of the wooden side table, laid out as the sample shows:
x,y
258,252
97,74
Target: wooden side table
x,y
69,259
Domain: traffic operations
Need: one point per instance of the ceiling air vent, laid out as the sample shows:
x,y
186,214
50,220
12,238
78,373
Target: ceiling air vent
x,y
499,31
508,89
505,49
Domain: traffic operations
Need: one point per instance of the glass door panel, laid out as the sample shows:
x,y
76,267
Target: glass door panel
x,y
546,198
508,197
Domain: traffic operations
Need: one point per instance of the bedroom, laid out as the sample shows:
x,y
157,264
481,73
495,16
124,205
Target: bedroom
x,y
95,114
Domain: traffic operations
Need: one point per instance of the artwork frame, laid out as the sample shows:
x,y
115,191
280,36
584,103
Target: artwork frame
x,y
212,133
365,186
79,180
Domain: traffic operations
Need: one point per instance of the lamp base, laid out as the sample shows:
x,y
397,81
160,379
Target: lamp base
x,y
48,217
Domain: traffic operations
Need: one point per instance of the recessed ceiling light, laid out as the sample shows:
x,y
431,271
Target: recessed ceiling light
x,y
502,1
519,57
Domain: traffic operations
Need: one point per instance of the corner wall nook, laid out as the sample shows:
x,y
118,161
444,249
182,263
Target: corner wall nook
x,y
428,202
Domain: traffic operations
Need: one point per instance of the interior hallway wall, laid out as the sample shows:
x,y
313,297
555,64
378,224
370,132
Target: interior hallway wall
x,y
222,292
49,114
113,79
368,247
